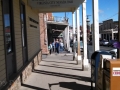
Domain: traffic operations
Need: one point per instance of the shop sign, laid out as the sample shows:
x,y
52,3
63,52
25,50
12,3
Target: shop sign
x,y
53,3
116,72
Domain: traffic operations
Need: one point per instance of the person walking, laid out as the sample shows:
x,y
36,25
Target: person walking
x,y
50,47
53,46
61,46
57,46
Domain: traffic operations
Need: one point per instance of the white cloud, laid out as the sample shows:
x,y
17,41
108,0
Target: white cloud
x,y
101,11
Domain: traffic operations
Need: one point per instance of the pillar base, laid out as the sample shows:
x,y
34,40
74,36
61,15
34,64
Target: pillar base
x,y
85,65
79,59
74,56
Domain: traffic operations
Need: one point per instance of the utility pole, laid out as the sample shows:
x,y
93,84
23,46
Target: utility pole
x,y
65,16
88,16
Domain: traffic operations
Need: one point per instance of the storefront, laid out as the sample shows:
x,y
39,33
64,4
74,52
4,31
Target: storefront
x,y
19,42
20,49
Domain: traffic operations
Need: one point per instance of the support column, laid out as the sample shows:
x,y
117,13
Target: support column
x,y
109,36
85,64
106,36
74,40
46,35
64,39
79,57
118,51
66,34
68,38
103,36
112,35
95,25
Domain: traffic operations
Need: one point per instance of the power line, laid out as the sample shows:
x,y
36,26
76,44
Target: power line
x,y
110,17
113,15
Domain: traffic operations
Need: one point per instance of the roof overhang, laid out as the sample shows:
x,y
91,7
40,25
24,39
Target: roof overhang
x,y
57,26
55,5
57,23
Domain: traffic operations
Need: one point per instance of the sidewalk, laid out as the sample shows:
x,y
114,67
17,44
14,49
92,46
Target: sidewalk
x,y
58,72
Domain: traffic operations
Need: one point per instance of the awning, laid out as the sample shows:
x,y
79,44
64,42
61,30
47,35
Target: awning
x,y
55,5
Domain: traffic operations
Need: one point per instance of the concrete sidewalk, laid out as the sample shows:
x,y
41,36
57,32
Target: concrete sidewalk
x,y
58,72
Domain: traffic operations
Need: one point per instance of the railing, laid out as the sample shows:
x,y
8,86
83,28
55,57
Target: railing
x,y
57,19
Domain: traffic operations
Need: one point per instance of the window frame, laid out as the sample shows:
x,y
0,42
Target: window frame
x,y
11,26
25,29
12,37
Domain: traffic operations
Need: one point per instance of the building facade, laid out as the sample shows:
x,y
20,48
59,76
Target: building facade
x,y
108,29
20,49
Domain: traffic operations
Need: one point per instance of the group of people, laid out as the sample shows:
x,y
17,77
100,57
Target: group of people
x,y
56,46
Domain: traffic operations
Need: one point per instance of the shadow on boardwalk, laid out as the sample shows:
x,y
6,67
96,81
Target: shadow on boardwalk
x,y
58,72
70,85
86,79
31,87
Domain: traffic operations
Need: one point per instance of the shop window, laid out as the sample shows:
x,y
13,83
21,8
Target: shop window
x,y
7,26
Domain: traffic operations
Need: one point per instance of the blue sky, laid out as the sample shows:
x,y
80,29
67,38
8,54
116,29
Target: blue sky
x,y
108,9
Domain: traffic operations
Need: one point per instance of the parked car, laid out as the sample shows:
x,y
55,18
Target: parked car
x,y
111,42
104,42
113,52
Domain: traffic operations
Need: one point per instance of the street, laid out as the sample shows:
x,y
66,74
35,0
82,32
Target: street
x,y
103,48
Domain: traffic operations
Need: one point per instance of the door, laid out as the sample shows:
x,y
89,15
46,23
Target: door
x,y
9,37
24,33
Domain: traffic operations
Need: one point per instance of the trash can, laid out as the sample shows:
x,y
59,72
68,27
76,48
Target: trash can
x,y
95,59
111,74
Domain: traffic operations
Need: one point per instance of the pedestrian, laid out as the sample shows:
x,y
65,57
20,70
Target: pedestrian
x,y
53,46
61,45
50,47
57,46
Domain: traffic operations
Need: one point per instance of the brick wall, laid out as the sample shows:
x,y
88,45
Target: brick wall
x,y
43,32
50,17
43,38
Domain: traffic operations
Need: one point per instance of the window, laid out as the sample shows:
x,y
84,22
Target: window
x,y
24,32
23,24
7,26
